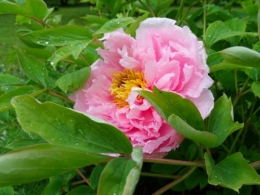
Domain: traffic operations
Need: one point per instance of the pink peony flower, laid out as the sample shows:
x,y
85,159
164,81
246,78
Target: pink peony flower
x,y
162,55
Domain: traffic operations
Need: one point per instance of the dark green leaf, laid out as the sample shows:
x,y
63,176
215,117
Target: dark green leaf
x,y
20,143
221,120
57,183
232,172
42,161
33,68
219,31
115,24
203,137
60,36
121,175
82,190
95,175
167,103
62,126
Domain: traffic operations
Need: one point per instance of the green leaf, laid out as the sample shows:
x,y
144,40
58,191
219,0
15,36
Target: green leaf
x,y
167,103
20,143
7,190
132,28
121,175
221,120
232,172
225,66
42,161
241,56
238,26
82,190
7,79
219,31
33,9
115,24
33,68
60,36
64,52
5,99
38,8
62,126
57,183
256,88
95,175
203,137
74,80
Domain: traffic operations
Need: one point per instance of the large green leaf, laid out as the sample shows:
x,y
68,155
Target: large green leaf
x,y
74,80
115,24
121,175
63,126
232,172
5,99
33,9
42,161
218,31
60,36
221,120
33,68
241,56
206,138
167,103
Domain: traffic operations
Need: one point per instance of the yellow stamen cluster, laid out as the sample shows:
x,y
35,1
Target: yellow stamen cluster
x,y
122,84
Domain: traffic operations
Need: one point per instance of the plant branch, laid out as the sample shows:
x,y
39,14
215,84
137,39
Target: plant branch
x,y
148,7
175,182
59,96
159,175
83,177
174,162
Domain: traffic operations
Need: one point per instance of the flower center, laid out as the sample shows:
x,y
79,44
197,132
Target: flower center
x,y
122,84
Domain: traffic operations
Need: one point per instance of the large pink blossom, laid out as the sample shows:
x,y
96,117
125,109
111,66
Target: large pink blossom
x,y
162,55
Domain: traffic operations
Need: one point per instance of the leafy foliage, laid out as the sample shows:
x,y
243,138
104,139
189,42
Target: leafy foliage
x,y
67,152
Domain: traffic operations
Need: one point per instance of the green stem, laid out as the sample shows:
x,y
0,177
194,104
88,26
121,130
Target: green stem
x,y
239,93
235,141
236,83
179,13
59,96
175,182
204,21
159,175
174,162
255,165
83,177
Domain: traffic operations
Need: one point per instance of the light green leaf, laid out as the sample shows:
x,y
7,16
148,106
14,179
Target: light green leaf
x,y
7,190
219,31
5,99
63,126
225,66
74,80
82,190
33,68
121,175
42,161
256,88
232,172
220,120
241,56
167,103
64,52
60,36
132,28
8,7
238,26
7,79
206,138
115,24
38,8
